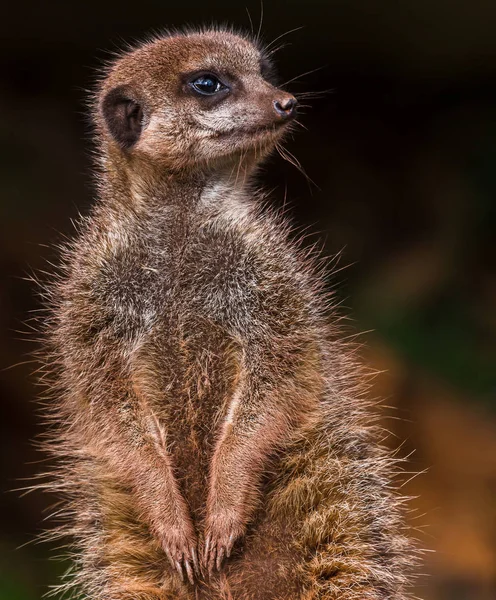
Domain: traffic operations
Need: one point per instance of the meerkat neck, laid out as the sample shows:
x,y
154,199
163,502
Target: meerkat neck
x,y
141,188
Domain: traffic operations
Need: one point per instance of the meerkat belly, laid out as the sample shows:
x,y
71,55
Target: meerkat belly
x,y
199,382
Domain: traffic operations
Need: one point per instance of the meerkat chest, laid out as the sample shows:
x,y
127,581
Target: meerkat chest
x,y
182,266
177,268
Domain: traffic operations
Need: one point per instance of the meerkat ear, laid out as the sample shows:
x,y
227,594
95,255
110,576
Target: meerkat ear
x,y
123,116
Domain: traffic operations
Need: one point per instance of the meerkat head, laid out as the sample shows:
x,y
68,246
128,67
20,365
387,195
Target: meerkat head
x,y
195,98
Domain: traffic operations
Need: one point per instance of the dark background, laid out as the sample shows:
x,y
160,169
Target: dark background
x,y
403,152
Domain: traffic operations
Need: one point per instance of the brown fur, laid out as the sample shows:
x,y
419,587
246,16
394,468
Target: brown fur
x,y
203,399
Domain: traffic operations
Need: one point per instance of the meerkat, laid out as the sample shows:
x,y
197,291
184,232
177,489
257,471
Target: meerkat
x,y
210,426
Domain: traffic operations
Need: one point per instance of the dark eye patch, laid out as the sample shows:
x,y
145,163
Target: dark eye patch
x,y
267,70
208,86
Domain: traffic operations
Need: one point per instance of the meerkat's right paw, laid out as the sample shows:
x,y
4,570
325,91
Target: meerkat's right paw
x,y
181,551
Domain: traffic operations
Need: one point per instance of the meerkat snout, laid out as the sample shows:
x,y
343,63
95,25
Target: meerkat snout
x,y
285,107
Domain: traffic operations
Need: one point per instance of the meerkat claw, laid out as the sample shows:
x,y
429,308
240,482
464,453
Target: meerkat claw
x,y
179,569
230,545
189,571
211,560
206,549
196,565
169,558
220,557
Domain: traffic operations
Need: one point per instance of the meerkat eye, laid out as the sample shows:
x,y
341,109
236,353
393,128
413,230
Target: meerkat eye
x,y
208,85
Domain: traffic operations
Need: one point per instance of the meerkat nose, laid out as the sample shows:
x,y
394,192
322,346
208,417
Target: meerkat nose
x,y
285,107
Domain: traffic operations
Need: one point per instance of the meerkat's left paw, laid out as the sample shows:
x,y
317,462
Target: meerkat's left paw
x,y
221,533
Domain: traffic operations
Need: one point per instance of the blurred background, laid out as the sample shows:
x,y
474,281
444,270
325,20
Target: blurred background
x,y
402,150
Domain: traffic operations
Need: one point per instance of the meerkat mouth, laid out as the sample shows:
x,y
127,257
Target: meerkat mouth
x,y
255,131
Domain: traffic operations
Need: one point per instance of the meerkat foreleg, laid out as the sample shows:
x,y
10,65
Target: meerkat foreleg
x,y
264,412
168,511
136,452
249,434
